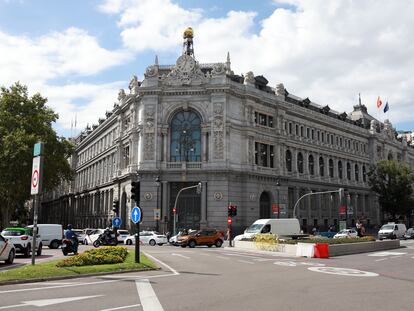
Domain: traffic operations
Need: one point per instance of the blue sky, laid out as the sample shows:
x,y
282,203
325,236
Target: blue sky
x,y
79,53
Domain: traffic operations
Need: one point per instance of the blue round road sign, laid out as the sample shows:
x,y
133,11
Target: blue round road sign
x,y
116,222
136,214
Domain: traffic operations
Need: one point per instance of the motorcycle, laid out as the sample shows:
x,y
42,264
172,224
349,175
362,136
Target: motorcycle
x,y
68,247
106,238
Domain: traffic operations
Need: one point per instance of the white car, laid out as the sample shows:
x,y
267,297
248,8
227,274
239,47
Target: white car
x,y
92,236
122,235
346,233
22,239
148,237
7,251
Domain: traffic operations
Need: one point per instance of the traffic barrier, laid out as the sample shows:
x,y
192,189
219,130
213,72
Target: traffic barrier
x,y
321,250
305,250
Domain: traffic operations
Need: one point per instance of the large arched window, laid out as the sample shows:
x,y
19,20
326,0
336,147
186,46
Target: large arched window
x,y
300,162
185,137
311,165
288,160
321,167
340,169
331,168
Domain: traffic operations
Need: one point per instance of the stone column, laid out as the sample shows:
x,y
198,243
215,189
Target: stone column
x,y
203,218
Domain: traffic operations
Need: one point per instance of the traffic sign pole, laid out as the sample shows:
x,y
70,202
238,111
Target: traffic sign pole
x,y
136,217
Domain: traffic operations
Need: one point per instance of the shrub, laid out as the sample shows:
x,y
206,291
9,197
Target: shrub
x,y
266,241
98,256
332,241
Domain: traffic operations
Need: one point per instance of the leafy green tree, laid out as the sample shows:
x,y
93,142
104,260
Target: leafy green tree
x,y
392,181
24,121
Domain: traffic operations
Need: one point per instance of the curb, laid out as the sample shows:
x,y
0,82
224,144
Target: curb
x,y
276,254
74,276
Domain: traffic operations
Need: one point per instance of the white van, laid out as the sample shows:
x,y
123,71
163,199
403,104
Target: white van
x,y
51,234
391,231
283,227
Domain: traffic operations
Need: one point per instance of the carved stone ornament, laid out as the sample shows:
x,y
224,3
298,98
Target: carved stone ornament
x,y
280,89
133,85
249,78
218,123
218,145
152,71
218,196
121,95
218,69
252,196
148,196
188,75
218,108
149,146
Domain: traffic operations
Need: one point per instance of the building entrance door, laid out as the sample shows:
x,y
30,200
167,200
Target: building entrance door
x,y
188,206
264,205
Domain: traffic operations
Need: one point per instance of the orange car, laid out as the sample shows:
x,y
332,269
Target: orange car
x,y
207,237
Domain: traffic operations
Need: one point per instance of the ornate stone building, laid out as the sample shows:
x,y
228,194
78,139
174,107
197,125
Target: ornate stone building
x,y
249,144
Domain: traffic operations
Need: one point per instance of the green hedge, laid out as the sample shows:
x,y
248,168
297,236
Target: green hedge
x,y
97,256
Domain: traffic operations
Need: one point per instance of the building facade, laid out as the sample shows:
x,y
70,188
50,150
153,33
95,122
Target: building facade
x,y
249,144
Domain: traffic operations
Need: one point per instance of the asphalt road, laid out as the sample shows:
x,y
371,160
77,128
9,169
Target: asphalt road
x,y
226,279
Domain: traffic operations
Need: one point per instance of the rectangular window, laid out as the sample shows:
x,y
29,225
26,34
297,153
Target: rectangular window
x,y
270,121
313,134
290,128
297,129
272,157
307,132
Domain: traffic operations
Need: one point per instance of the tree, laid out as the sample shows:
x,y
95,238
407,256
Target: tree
x,y
392,181
24,121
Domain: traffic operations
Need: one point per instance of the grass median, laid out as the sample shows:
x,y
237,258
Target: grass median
x,y
49,270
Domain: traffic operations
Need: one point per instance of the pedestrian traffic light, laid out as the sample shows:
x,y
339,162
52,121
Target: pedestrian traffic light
x,y
135,191
115,207
174,210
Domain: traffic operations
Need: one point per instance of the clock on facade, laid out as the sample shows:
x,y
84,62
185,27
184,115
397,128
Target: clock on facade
x,y
185,63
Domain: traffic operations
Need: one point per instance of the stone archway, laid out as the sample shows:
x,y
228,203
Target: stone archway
x,y
265,205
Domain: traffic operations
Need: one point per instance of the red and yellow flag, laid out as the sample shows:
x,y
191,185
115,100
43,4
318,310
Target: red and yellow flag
x,y
379,102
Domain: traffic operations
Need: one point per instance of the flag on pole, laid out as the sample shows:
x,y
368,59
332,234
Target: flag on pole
x,y
387,107
379,102
359,95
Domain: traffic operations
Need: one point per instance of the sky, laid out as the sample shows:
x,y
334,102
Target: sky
x,y
79,53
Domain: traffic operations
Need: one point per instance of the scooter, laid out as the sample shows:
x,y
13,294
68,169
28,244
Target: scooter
x,y
68,247
106,239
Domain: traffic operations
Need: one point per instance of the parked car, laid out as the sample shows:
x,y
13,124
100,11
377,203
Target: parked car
x,y
409,234
7,250
122,235
22,239
207,237
148,237
82,235
346,233
392,231
52,234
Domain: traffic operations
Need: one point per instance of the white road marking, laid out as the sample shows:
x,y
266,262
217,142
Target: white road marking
x,y
382,259
342,271
222,257
124,307
245,256
49,302
285,263
245,261
204,254
179,255
163,263
383,254
147,296
48,283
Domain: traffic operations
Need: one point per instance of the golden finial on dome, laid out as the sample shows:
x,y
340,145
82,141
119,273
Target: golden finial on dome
x,y
188,33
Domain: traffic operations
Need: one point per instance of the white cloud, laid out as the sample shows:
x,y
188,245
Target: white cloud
x,y
328,51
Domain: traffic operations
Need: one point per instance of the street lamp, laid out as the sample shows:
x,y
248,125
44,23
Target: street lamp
x,y
277,200
158,183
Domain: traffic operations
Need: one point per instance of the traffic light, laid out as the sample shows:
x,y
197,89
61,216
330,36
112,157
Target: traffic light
x,y
174,210
115,207
234,210
135,191
229,220
199,188
230,211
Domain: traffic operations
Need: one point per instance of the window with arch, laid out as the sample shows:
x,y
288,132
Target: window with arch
x,y
348,171
321,167
300,162
185,137
340,175
356,172
364,174
311,165
331,168
288,160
